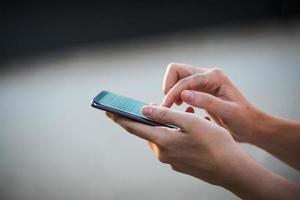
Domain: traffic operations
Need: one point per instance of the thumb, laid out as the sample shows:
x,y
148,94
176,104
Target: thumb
x,y
208,102
165,115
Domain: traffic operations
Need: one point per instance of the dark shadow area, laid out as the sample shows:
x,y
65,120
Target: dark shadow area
x,y
29,29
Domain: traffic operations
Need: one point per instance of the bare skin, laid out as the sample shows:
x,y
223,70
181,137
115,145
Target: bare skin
x,y
211,89
205,150
208,150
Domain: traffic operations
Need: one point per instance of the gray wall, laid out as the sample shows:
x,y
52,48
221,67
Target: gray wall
x,y
53,145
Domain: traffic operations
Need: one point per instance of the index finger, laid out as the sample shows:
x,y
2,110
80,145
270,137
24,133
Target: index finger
x,y
182,120
207,82
175,72
144,131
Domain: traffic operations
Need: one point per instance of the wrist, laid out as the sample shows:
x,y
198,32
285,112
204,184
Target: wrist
x,y
240,175
233,169
263,125
235,158
270,127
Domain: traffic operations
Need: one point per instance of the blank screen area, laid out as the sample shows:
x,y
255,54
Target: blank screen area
x,y
121,103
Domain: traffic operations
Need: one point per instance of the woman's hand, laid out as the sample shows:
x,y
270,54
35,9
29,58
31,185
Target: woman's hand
x,y
211,89
207,151
198,147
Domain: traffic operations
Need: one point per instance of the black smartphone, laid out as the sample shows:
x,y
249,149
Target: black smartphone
x,y
124,106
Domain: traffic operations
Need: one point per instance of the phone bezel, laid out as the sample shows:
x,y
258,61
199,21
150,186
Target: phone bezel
x,y
128,115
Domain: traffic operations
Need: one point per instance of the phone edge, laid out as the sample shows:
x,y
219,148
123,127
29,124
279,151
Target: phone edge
x,y
128,115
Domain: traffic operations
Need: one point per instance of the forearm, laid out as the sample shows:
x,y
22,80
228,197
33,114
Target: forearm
x,y
280,137
249,180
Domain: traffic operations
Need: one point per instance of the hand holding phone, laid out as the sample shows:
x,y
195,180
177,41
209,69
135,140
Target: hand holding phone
x,y
124,106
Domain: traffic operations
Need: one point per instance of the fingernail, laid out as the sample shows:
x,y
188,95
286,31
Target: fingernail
x,y
189,95
147,110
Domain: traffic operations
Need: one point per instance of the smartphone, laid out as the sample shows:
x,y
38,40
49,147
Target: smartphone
x,y
123,106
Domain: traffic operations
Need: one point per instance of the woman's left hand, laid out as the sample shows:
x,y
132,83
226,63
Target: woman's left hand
x,y
198,147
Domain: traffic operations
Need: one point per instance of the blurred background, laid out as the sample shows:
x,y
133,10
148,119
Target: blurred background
x,y
55,57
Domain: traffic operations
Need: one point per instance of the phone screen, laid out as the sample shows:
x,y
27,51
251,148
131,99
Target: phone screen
x,y
120,103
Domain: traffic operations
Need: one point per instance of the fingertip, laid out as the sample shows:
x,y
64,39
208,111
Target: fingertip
x,y
147,110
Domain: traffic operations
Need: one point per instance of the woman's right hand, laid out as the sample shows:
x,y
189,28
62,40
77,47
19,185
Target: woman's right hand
x,y
211,89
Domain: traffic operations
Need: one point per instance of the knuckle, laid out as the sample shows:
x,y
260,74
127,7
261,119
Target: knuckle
x,y
198,81
201,79
218,72
163,114
182,81
208,100
183,84
194,81
177,88
191,121
171,66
